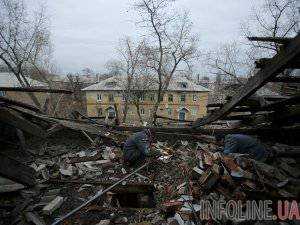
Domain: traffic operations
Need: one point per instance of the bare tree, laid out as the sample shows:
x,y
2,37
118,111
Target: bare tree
x,y
170,43
142,84
137,79
231,63
275,18
114,67
23,39
87,71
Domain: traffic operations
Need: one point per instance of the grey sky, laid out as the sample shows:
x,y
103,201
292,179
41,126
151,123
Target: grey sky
x,y
86,33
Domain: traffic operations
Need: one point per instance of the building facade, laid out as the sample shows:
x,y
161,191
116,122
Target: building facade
x,y
184,100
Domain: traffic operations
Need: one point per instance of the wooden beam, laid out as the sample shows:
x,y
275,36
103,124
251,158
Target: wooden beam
x,y
179,136
287,115
214,105
16,171
277,105
295,100
176,120
208,131
278,40
263,62
277,65
286,79
32,89
252,101
14,119
279,134
19,104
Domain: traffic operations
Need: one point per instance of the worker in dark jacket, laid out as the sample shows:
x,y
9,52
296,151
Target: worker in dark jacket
x,y
243,144
137,147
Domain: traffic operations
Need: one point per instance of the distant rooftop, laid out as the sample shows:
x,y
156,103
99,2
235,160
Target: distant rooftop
x,y
119,84
222,91
88,79
10,80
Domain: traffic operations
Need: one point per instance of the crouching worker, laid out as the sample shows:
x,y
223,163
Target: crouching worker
x,y
242,144
138,146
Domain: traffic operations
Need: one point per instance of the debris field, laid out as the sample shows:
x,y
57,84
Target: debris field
x,y
76,161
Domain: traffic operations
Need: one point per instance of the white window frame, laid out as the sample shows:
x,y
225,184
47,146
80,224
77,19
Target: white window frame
x,y
194,111
99,99
169,111
113,97
172,97
142,110
194,97
100,110
152,97
123,98
150,112
184,97
2,93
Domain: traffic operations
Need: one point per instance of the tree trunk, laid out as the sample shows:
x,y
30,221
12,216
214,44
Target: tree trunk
x,y
30,94
157,103
139,113
117,119
125,111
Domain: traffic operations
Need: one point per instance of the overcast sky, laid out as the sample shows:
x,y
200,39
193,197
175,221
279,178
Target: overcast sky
x,y
86,33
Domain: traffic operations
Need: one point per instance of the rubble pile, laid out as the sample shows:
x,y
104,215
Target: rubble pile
x,y
51,166
168,191
218,177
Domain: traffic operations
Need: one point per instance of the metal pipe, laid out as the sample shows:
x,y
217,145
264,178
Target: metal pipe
x,y
97,196
88,137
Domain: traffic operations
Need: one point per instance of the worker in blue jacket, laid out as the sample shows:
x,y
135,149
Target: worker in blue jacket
x,y
138,146
243,144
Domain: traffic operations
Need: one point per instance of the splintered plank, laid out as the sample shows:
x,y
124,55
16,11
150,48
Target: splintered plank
x,y
14,119
286,79
279,40
11,102
272,69
33,89
16,171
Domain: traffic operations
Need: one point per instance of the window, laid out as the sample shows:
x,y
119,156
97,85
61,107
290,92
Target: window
x,y
132,111
161,98
182,114
169,110
194,97
170,98
123,98
2,93
182,84
111,84
111,112
142,98
100,112
182,98
111,97
99,97
152,97
142,111
194,111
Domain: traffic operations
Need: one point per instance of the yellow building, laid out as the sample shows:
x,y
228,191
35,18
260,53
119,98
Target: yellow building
x,y
184,100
